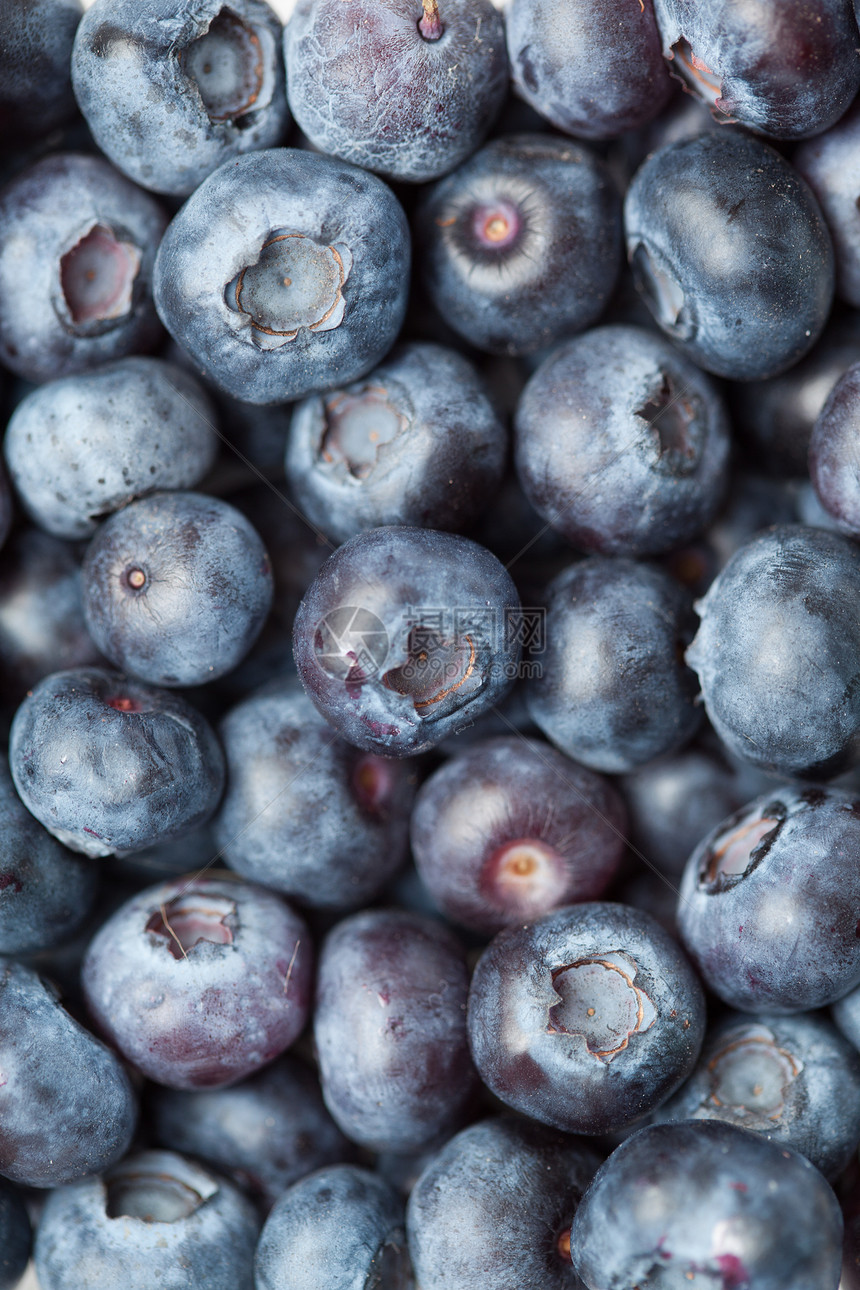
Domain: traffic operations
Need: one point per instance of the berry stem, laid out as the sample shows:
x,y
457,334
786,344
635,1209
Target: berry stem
x,y
430,25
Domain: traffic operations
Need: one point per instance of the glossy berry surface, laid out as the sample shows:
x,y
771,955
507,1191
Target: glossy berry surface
x,y
107,764
586,1019
510,829
390,1030
200,981
707,1201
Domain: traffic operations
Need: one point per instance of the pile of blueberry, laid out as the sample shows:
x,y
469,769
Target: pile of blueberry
x,y
430,645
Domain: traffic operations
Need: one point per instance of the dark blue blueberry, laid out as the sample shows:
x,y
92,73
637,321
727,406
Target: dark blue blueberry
x,y
794,1080
378,84
405,636
77,248
622,445
338,1229
416,442
522,244
36,38
494,1208
265,1133
592,70
200,981
390,1030
830,165
171,89
284,273
510,829
782,70
611,690
769,900
834,450
777,652
176,588
731,253
81,447
679,1203
46,892
154,1220
107,764
586,1019
15,1237
66,1104
305,813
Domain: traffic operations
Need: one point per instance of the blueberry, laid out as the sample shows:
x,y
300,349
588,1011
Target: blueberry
x,y
622,444
390,1030
405,636
494,1208
769,68
586,1019
66,1103
521,245
731,253
768,929
176,588
305,813
794,1080
15,1237
81,447
830,164
677,1202
155,1219
833,452
592,70
510,829
77,247
416,442
611,690
777,652
174,88
36,38
200,981
107,764
284,273
337,1229
266,1132
378,84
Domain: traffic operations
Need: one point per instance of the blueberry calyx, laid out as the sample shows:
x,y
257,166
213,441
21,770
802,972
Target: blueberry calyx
x,y
295,282
356,425
751,1073
142,1189
226,65
97,277
599,1001
678,423
188,919
695,75
662,291
436,667
740,848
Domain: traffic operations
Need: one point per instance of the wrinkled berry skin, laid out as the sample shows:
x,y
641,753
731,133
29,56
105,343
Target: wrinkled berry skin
x,y
405,636
46,212
337,830
510,829
353,260
522,244
591,74
390,1030
777,652
339,1228
15,1237
200,981
36,38
155,1219
768,902
787,71
833,453
176,588
436,463
830,165
107,764
366,86
66,1104
676,1201
586,1019
612,691
46,891
622,445
81,447
730,251
265,1133
133,83
469,1222
794,1080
